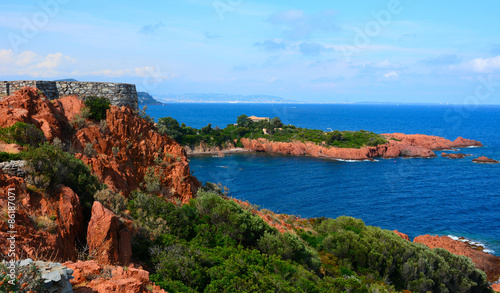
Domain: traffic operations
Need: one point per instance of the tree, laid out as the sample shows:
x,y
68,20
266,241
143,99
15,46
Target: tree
x,y
97,106
243,121
207,129
276,122
170,127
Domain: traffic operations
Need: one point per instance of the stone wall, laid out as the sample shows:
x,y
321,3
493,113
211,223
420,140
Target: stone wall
x,y
14,168
119,94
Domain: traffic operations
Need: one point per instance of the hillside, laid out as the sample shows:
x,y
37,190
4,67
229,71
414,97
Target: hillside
x,y
147,99
222,98
102,191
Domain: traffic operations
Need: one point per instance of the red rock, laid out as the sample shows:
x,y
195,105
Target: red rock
x,y
61,210
105,239
488,263
432,142
93,277
454,156
461,142
485,160
128,147
402,235
496,287
10,148
26,105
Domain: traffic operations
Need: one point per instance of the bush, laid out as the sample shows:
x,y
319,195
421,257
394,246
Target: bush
x,y
97,107
112,200
6,157
49,166
23,134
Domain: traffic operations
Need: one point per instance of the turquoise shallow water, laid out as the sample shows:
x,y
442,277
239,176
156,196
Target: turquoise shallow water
x,y
415,196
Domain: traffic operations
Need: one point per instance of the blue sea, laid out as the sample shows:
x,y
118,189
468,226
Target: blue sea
x,y
436,196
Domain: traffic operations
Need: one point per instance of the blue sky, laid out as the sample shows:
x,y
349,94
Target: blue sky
x,y
321,51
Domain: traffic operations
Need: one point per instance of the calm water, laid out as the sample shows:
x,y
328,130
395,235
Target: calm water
x,y
415,196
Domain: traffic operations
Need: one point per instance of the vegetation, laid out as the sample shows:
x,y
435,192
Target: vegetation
x,y
6,157
272,129
49,166
213,244
97,107
28,278
23,134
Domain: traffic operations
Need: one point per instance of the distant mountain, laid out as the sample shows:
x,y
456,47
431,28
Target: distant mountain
x,y
67,79
221,98
147,99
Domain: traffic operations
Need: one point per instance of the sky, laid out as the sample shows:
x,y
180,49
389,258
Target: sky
x,y
312,51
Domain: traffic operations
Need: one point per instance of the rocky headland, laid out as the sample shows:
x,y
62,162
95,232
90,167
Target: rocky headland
x,y
398,145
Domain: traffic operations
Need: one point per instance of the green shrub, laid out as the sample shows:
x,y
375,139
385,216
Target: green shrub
x,y
97,107
49,166
6,157
112,200
23,134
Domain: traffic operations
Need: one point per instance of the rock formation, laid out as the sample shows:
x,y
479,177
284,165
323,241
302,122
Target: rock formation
x,y
402,145
90,276
484,160
44,225
108,239
402,235
454,156
486,262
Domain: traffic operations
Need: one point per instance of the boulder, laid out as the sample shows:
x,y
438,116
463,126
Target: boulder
x,y
454,155
89,276
108,240
484,160
402,235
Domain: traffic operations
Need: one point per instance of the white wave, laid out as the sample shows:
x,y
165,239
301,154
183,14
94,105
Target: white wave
x,y
473,243
354,161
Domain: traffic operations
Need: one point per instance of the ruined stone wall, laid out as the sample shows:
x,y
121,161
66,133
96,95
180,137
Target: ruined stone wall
x,y
119,94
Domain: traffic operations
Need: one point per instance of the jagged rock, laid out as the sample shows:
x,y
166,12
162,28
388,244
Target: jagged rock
x,y
106,238
93,277
402,235
61,211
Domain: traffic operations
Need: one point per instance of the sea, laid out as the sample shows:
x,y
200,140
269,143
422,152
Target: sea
x,y
437,196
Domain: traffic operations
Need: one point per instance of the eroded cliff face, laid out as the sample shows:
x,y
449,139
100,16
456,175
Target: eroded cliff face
x,y
416,145
45,226
127,148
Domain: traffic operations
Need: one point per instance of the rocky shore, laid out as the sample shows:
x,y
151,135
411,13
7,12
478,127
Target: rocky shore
x,y
484,261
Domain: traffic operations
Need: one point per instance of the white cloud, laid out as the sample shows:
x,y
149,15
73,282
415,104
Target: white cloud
x,y
485,65
32,64
392,75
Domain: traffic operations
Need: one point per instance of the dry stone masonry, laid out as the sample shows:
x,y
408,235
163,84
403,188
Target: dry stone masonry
x,y
119,94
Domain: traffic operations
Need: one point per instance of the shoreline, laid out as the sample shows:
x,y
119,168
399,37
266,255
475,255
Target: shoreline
x,y
218,152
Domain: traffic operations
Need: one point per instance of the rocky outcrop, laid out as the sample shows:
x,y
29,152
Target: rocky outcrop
x,y
402,235
128,148
398,145
484,160
10,148
123,150
89,276
454,156
433,142
46,226
488,263
107,238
